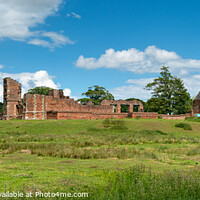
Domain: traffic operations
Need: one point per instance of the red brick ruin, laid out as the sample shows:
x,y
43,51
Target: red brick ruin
x,y
57,106
196,105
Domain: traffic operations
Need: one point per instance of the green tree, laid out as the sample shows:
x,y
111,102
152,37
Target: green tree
x,y
1,107
40,90
153,105
169,96
181,101
96,94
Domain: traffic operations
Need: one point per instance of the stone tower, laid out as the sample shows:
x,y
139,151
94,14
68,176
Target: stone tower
x,y
12,107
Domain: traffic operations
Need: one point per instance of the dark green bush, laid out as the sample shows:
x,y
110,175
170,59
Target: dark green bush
x,y
184,126
159,117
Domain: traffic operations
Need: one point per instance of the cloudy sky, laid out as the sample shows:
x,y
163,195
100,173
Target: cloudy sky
x,y
121,45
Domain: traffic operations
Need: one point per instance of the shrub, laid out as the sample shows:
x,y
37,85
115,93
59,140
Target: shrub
x,y
159,117
184,126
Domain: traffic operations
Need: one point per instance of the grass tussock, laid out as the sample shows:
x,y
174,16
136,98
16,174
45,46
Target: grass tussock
x,y
184,126
114,124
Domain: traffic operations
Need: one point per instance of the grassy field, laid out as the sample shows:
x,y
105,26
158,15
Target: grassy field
x,y
97,156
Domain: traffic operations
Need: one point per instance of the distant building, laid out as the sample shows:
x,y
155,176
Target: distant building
x,y
196,105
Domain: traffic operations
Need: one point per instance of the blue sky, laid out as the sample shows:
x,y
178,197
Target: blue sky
x,y
121,45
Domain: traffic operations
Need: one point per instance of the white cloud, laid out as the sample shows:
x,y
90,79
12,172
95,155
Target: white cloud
x,y
183,72
130,91
58,39
67,92
140,82
74,15
134,90
19,17
39,42
1,66
148,61
192,83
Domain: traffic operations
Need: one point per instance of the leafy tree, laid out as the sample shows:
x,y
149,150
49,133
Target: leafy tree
x,y
153,105
96,94
181,101
1,107
169,96
40,90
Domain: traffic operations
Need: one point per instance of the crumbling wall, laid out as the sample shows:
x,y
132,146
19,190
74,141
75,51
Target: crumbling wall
x,y
196,106
144,115
57,106
44,107
69,105
12,106
181,116
35,106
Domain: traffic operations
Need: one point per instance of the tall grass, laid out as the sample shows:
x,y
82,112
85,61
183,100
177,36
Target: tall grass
x,y
143,183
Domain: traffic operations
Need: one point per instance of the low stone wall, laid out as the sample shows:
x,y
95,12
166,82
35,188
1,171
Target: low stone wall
x,y
110,116
144,115
84,115
73,115
90,115
182,116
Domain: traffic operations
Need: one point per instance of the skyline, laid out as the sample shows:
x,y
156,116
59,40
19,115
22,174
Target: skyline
x,y
119,45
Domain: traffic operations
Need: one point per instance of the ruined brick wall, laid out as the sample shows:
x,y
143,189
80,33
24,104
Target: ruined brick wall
x,y
182,116
64,104
52,115
110,116
86,115
144,115
39,107
118,104
196,106
58,106
35,106
11,99
56,93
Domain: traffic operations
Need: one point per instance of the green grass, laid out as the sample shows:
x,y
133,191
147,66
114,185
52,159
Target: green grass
x,y
90,155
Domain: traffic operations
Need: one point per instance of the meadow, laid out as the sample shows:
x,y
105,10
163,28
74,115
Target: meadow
x,y
108,159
